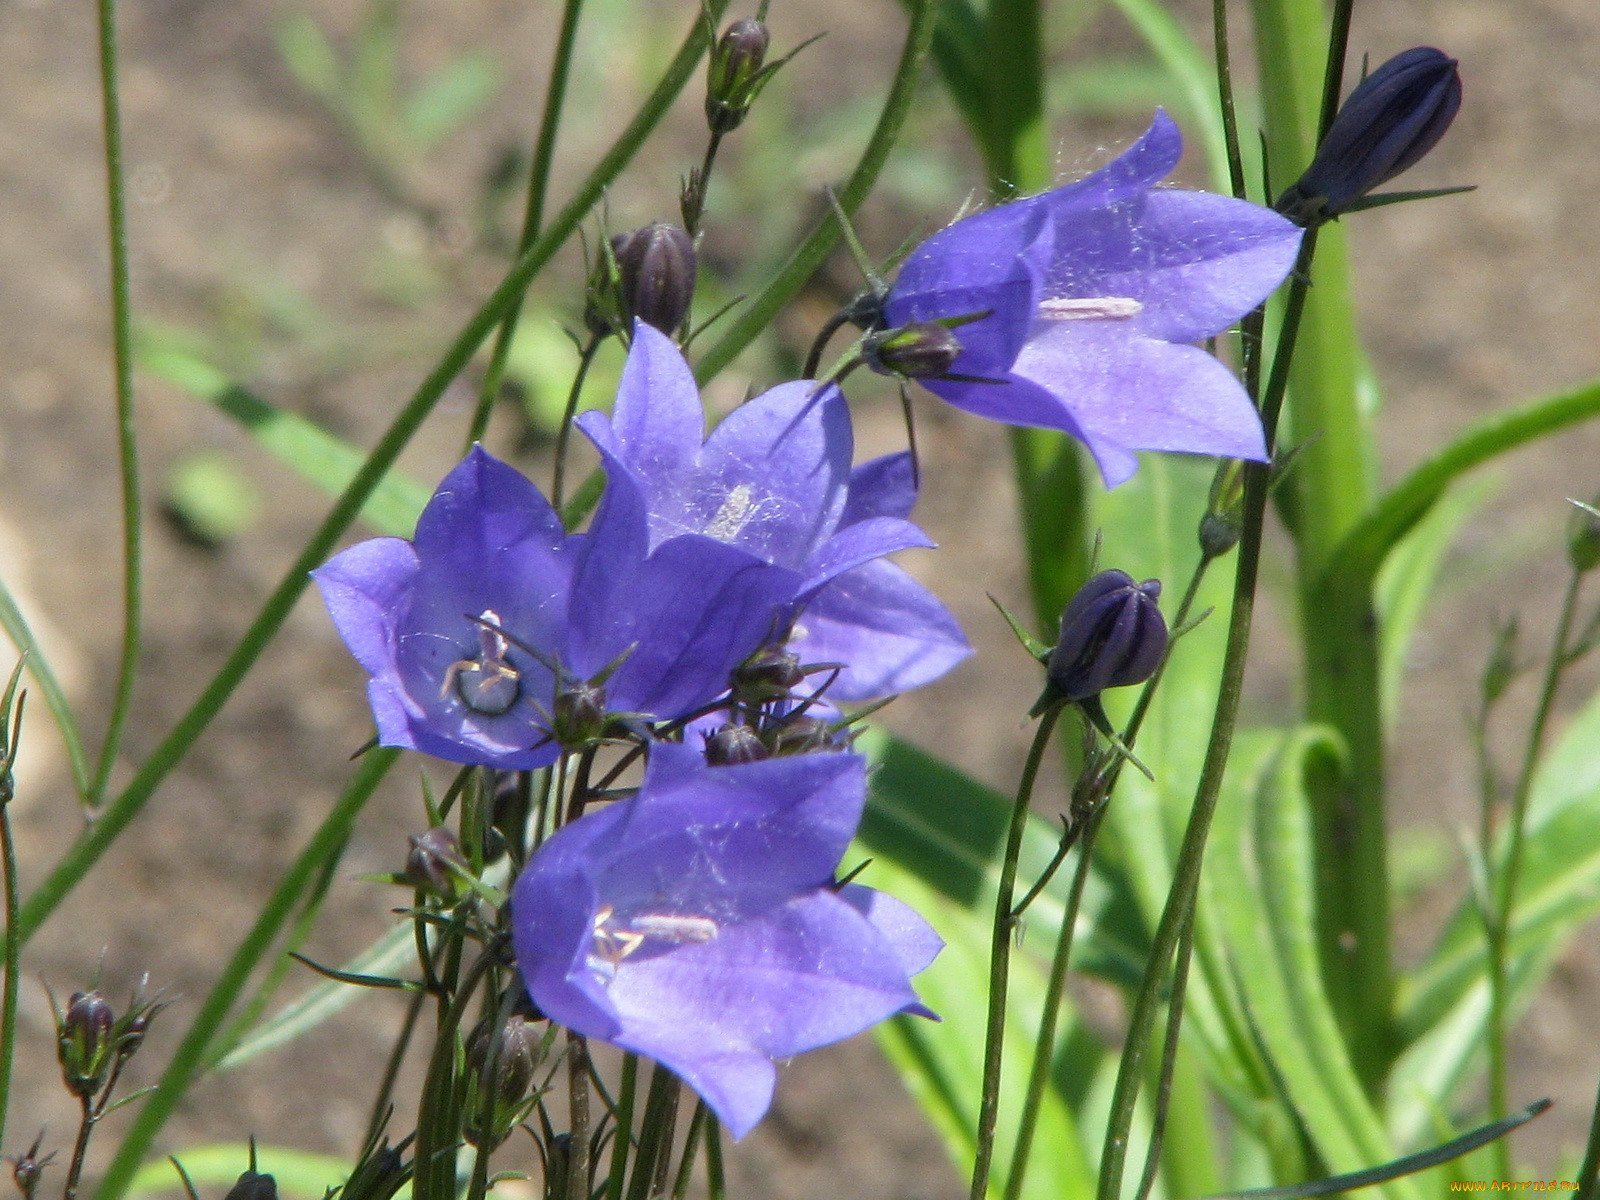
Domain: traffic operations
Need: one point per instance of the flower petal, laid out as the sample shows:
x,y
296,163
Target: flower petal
x,y
890,631
1134,393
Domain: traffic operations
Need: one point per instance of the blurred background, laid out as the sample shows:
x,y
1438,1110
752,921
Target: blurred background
x,y
322,190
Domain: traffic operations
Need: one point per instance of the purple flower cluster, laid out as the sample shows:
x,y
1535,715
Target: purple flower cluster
x,y
699,920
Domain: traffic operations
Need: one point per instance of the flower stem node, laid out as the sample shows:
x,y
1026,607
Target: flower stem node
x,y
735,75
921,350
1386,125
1112,635
655,275
435,862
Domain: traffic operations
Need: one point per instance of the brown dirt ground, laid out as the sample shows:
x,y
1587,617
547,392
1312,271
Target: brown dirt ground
x,y
238,180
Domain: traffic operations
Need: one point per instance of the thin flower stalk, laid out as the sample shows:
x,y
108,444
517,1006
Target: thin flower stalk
x,y
1504,882
127,444
622,1142
533,214
578,1109
1186,875
1000,955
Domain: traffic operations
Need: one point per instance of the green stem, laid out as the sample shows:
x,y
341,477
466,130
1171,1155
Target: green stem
x,y
655,1133
568,415
809,256
17,629
116,815
379,1114
438,1116
1056,985
1000,956
578,1108
1016,145
326,844
1331,492
538,187
1230,118
1509,875
691,1144
13,951
1589,1172
1191,855
716,1186
1169,1058
127,446
622,1142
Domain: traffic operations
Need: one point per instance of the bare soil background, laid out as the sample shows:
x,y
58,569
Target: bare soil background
x,y
240,184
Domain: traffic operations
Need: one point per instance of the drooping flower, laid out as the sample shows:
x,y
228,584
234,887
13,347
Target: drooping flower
x,y
1390,120
1090,300
464,630
698,923
774,480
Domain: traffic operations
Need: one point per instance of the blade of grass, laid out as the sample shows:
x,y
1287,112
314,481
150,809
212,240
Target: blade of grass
x,y
17,629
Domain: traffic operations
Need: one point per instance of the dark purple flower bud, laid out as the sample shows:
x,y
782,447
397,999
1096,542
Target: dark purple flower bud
x,y
254,1185
735,76
771,673
84,1042
27,1168
655,274
924,350
434,861
382,1171
1392,118
1112,635
735,744
1583,537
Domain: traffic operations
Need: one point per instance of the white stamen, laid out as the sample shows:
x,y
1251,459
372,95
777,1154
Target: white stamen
x,y
735,512
614,941
674,927
1091,308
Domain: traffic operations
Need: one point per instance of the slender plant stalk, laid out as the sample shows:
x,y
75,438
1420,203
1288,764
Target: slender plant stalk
x,y
1000,956
1330,492
655,1130
379,1114
1056,985
716,1185
327,843
691,1144
1186,873
13,948
172,749
578,1109
544,149
1169,1058
568,415
1230,119
17,629
127,445
1504,881
627,1089
808,257
1588,1177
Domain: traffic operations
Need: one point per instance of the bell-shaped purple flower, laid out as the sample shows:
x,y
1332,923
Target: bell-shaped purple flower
x,y
774,480
1389,121
472,632
1112,635
698,923
1090,299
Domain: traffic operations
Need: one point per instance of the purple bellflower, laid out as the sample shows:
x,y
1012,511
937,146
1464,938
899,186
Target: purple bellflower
x,y
459,630
1094,295
698,923
774,480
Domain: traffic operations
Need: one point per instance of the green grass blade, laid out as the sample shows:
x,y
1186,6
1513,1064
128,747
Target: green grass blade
x,y
55,699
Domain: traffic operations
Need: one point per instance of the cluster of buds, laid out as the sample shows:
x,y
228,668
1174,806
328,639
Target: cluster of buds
x,y
647,275
1390,120
93,1043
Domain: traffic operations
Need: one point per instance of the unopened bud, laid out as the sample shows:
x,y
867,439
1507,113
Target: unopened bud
x,y
1390,120
382,1171
502,1081
734,76
254,1185
435,861
1224,517
771,673
26,1169
1583,537
733,745
1112,635
655,274
803,735
925,350
1501,668
84,1042
579,714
